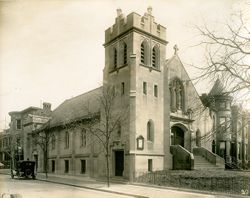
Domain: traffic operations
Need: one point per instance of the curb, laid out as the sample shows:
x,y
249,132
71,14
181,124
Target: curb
x,y
143,185
94,189
89,188
190,190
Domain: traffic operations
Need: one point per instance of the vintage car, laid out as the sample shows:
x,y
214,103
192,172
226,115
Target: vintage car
x,y
24,169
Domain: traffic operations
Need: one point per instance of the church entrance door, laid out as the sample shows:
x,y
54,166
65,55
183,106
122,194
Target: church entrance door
x,y
119,162
177,136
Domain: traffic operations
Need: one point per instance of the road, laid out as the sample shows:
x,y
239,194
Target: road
x,y
39,189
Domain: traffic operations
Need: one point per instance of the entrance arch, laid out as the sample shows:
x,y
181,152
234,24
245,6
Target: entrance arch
x,y
177,135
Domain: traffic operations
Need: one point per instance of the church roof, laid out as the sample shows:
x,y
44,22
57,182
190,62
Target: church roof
x,y
217,89
76,108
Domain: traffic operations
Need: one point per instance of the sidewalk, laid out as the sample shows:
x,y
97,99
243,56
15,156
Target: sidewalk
x,y
134,190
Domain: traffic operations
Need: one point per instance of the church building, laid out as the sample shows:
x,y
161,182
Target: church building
x,y
167,126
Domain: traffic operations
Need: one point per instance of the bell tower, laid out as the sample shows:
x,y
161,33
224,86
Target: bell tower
x,y
135,53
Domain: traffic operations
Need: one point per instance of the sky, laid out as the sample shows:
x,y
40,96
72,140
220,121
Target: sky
x,y
52,50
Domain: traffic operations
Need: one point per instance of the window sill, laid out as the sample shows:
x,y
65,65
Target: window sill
x,y
118,68
150,68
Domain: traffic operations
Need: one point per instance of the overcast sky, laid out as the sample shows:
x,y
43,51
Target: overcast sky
x,y
52,50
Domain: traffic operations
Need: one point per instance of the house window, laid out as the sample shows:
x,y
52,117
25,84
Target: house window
x,y
83,166
144,87
239,151
66,139
143,53
18,141
115,58
150,130
125,54
122,88
53,142
53,166
155,90
18,124
223,105
66,166
223,124
83,138
150,165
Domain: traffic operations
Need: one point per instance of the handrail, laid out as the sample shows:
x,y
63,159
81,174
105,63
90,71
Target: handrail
x,y
210,156
182,158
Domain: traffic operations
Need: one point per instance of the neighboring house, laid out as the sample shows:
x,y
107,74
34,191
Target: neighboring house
x,y
5,149
15,139
231,125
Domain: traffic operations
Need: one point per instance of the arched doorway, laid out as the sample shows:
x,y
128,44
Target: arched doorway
x,y
177,136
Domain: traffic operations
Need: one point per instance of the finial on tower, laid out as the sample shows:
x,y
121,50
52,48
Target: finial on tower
x,y
119,12
150,10
175,49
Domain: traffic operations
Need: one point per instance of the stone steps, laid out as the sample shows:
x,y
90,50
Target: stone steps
x,y
200,163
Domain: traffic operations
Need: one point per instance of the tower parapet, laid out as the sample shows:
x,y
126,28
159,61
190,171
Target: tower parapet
x,y
145,24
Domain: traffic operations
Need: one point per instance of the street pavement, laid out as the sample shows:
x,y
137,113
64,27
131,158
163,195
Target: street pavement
x,y
24,188
73,185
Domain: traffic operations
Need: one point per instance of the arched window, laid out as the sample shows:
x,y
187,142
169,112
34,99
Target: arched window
x,y
125,54
144,53
115,58
83,138
53,142
150,130
177,95
155,57
66,140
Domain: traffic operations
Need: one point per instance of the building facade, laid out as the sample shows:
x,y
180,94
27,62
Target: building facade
x,y
166,126
15,140
230,127
164,114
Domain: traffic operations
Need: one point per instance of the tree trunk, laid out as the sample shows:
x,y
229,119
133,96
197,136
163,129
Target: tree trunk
x,y
108,172
46,163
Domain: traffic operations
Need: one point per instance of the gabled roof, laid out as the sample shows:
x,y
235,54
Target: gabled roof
x,y
76,108
24,111
217,89
174,61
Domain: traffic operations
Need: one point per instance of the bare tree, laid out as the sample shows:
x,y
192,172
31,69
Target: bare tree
x,y
44,138
108,124
228,55
12,148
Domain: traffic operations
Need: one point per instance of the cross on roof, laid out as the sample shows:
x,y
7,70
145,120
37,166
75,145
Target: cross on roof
x,y
175,49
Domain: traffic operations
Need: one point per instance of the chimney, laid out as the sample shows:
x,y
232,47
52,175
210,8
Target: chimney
x,y
47,107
